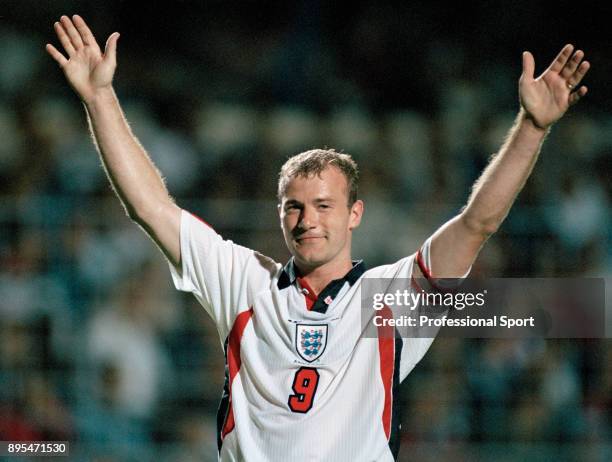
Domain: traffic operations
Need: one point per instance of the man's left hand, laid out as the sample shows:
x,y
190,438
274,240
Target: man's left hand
x,y
546,98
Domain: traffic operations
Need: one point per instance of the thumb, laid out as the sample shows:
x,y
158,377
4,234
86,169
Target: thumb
x,y
110,51
528,65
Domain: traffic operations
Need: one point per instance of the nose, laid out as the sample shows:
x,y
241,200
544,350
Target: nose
x,y
308,218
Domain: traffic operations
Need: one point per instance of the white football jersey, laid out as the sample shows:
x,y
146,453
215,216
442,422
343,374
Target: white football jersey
x,y
302,382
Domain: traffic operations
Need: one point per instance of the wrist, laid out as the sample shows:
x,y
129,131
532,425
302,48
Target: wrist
x,y
99,97
526,121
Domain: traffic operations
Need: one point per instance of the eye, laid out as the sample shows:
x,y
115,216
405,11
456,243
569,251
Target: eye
x,y
324,206
291,208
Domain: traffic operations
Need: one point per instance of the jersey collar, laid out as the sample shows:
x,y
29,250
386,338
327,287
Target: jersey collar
x,y
288,277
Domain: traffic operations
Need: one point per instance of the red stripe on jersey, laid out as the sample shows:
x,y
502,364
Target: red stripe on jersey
x,y
309,295
234,362
427,273
422,266
386,350
205,222
428,276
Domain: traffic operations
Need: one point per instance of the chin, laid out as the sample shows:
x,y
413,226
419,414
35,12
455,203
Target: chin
x,y
310,261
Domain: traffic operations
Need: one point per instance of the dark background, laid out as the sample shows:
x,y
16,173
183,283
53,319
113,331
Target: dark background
x,y
95,345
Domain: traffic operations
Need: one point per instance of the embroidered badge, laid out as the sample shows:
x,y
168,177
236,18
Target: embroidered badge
x,y
310,340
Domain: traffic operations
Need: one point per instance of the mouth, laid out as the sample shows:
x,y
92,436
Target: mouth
x,y
307,239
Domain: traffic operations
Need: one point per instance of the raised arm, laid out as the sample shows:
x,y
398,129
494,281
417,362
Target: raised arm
x,y
135,179
543,101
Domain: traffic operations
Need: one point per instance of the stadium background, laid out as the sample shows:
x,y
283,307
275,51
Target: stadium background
x,y
95,345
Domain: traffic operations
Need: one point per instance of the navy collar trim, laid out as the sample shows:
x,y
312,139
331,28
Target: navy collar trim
x,y
288,275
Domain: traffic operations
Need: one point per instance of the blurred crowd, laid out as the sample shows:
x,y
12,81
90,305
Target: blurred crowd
x,y
97,348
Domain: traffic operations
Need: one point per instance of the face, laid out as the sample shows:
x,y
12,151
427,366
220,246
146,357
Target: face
x,y
316,220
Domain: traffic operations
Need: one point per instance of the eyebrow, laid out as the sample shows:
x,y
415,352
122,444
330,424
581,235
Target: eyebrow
x,y
318,200
291,202
324,199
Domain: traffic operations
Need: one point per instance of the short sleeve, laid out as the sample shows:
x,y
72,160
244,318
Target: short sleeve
x,y
223,276
413,346
423,260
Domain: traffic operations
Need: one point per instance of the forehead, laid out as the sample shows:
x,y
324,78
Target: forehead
x,y
330,183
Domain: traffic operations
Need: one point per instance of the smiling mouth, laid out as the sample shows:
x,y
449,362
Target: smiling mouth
x,y
299,240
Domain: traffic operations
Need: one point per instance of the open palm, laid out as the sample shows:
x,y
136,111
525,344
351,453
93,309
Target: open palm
x,y
546,98
87,69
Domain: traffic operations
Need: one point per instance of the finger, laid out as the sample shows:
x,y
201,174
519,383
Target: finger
x,y
572,64
577,76
577,95
561,58
59,58
64,39
74,35
528,65
110,51
86,34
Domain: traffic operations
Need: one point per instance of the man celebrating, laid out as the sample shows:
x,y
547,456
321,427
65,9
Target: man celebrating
x,y
301,378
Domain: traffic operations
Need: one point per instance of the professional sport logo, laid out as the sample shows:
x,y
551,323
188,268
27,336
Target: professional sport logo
x,y
310,340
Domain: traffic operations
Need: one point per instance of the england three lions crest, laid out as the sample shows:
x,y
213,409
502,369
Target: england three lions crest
x,y
310,340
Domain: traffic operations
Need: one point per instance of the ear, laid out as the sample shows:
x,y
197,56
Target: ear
x,y
356,213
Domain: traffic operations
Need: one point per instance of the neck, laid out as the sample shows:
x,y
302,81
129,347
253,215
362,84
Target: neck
x,y
319,277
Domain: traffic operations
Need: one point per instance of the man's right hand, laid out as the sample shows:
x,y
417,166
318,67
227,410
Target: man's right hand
x,y
136,180
88,70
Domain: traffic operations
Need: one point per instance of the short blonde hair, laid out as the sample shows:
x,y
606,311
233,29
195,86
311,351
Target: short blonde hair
x,y
313,162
